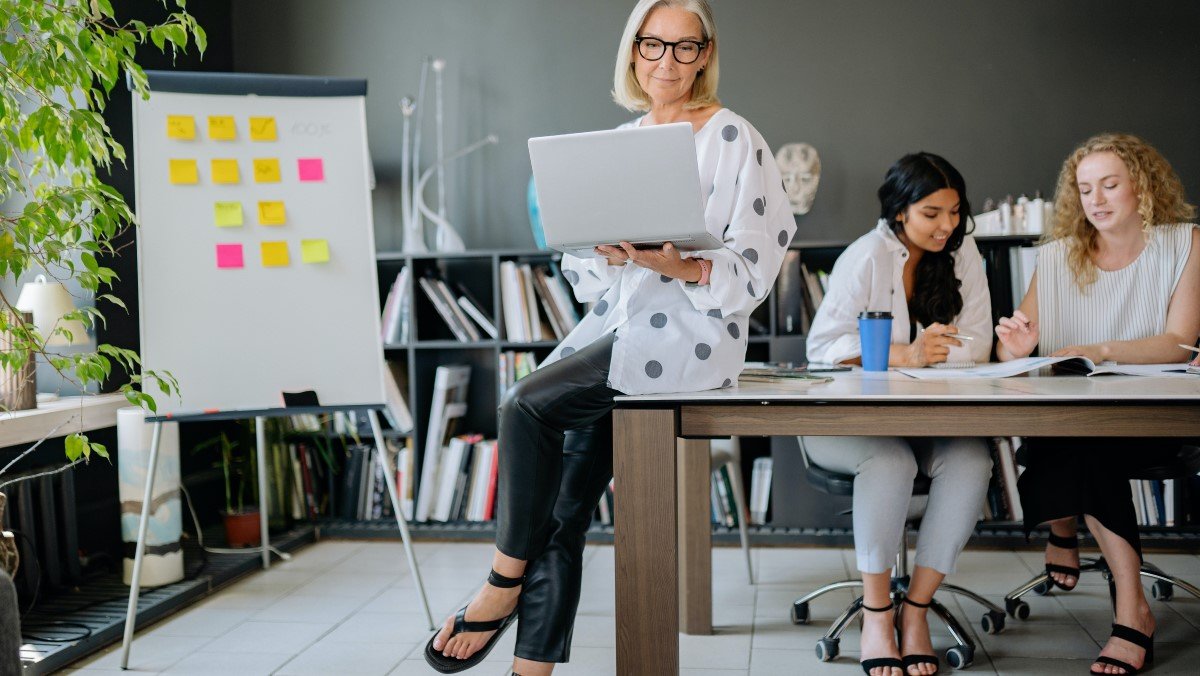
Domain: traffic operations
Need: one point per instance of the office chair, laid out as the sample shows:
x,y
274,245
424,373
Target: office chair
x,y
962,654
728,453
1185,464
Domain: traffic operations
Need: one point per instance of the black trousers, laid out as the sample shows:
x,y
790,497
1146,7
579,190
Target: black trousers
x,y
1067,477
555,445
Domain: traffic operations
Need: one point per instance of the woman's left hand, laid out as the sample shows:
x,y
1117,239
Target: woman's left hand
x,y
1094,352
664,261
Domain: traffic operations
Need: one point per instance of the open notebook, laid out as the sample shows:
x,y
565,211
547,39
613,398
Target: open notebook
x,y
1081,365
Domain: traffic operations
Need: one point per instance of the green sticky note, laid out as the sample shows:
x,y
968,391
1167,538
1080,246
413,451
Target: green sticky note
x,y
314,250
227,214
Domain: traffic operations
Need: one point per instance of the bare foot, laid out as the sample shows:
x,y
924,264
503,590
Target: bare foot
x,y
879,640
914,638
1139,618
491,603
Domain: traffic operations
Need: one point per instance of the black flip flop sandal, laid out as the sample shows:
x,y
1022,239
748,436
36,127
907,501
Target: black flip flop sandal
x,y
453,665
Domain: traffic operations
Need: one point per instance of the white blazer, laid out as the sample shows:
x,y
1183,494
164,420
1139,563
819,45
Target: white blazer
x,y
678,337
869,275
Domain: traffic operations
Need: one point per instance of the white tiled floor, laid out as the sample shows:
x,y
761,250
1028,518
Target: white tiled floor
x,y
350,608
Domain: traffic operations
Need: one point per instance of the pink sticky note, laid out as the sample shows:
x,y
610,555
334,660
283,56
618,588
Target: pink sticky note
x,y
229,256
311,169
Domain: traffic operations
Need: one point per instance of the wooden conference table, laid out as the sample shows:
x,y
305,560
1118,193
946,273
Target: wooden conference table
x,y
661,464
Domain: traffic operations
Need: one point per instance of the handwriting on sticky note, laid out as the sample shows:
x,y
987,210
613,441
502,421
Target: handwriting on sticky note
x,y
262,129
271,213
181,127
229,256
222,128
225,171
266,170
311,168
227,214
184,171
314,250
274,254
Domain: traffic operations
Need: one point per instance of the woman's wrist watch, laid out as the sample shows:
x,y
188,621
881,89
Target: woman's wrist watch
x,y
705,269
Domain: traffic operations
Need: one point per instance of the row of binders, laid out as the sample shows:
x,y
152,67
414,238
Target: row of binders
x,y
525,288
800,292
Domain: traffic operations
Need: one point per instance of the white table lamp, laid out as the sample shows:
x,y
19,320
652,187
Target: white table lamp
x,y
48,302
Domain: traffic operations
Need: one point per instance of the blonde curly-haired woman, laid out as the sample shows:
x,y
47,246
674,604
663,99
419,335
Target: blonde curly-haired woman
x,y
1118,278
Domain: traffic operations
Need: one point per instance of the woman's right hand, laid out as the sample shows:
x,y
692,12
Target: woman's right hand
x,y
1018,336
932,345
614,254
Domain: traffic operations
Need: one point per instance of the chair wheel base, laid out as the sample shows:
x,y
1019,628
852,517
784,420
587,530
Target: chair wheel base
x,y
800,613
1017,608
1162,591
992,622
1043,588
827,649
960,656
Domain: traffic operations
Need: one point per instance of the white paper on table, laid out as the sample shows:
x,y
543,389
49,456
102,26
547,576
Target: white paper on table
x,y
1019,366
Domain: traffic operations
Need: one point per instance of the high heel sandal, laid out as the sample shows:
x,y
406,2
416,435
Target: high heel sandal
x,y
877,662
453,665
914,660
1062,542
1135,637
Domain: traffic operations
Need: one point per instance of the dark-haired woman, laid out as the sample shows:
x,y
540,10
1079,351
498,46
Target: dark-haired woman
x,y
919,264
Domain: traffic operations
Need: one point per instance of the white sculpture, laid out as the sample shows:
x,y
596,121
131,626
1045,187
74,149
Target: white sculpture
x,y
413,180
801,168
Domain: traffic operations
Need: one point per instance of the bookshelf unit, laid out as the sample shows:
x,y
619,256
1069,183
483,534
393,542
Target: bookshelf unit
x,y
797,514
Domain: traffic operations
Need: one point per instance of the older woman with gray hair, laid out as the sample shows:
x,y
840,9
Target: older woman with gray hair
x,y
662,322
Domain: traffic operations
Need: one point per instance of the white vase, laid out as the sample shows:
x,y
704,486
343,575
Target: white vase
x,y
163,560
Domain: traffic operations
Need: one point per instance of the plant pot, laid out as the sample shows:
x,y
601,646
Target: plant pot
x,y
242,529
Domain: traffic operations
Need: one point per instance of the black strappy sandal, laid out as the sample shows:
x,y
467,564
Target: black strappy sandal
x,y
453,665
1062,542
1135,637
913,660
877,662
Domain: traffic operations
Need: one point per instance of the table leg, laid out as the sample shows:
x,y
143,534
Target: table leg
x,y
260,433
695,536
647,558
139,552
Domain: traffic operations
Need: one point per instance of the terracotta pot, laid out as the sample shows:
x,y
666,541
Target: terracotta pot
x,y
242,529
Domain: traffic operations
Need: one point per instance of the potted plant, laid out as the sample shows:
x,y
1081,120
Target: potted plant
x,y
242,525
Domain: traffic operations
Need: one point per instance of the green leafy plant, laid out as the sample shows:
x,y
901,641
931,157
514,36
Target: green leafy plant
x,y
237,468
59,62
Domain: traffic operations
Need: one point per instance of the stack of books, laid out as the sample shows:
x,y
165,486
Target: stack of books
x,y
525,288
459,309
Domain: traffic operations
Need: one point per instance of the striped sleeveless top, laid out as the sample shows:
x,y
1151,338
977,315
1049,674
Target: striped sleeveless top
x,y
1125,304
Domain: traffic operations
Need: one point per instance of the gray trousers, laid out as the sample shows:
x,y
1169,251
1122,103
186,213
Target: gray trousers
x,y
884,469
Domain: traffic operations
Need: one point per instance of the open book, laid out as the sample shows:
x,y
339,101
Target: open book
x,y
1081,365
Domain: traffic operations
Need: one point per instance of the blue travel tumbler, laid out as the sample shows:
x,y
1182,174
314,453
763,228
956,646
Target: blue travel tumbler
x,y
875,334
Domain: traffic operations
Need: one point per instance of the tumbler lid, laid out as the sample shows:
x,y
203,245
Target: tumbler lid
x,y
875,314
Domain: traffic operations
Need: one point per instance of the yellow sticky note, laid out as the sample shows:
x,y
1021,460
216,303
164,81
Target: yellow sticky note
x,y
262,129
184,171
274,254
222,128
181,127
271,213
314,250
266,170
224,171
227,214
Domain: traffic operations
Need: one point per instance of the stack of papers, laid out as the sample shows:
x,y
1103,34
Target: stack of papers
x,y
1081,365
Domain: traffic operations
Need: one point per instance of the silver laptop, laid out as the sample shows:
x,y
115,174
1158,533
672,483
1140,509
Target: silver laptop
x,y
640,185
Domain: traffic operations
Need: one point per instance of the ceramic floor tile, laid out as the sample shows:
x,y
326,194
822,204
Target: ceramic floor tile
x,y
722,650
320,609
348,585
329,657
380,629
201,621
149,654
269,637
230,664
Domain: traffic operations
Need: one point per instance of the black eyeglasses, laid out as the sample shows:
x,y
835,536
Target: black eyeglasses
x,y
684,51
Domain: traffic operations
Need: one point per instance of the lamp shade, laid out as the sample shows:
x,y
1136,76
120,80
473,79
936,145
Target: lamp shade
x,y
49,301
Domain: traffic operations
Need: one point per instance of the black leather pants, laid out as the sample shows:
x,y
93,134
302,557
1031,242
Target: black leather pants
x,y
555,446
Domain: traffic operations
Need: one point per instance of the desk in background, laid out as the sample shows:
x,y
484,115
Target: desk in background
x,y
661,464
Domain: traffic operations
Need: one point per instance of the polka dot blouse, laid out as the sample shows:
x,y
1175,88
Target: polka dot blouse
x,y
674,336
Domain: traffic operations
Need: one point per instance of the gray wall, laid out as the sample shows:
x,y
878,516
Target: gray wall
x,y
1002,89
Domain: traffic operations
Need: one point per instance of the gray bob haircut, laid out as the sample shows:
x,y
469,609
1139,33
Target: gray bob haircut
x,y
628,93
